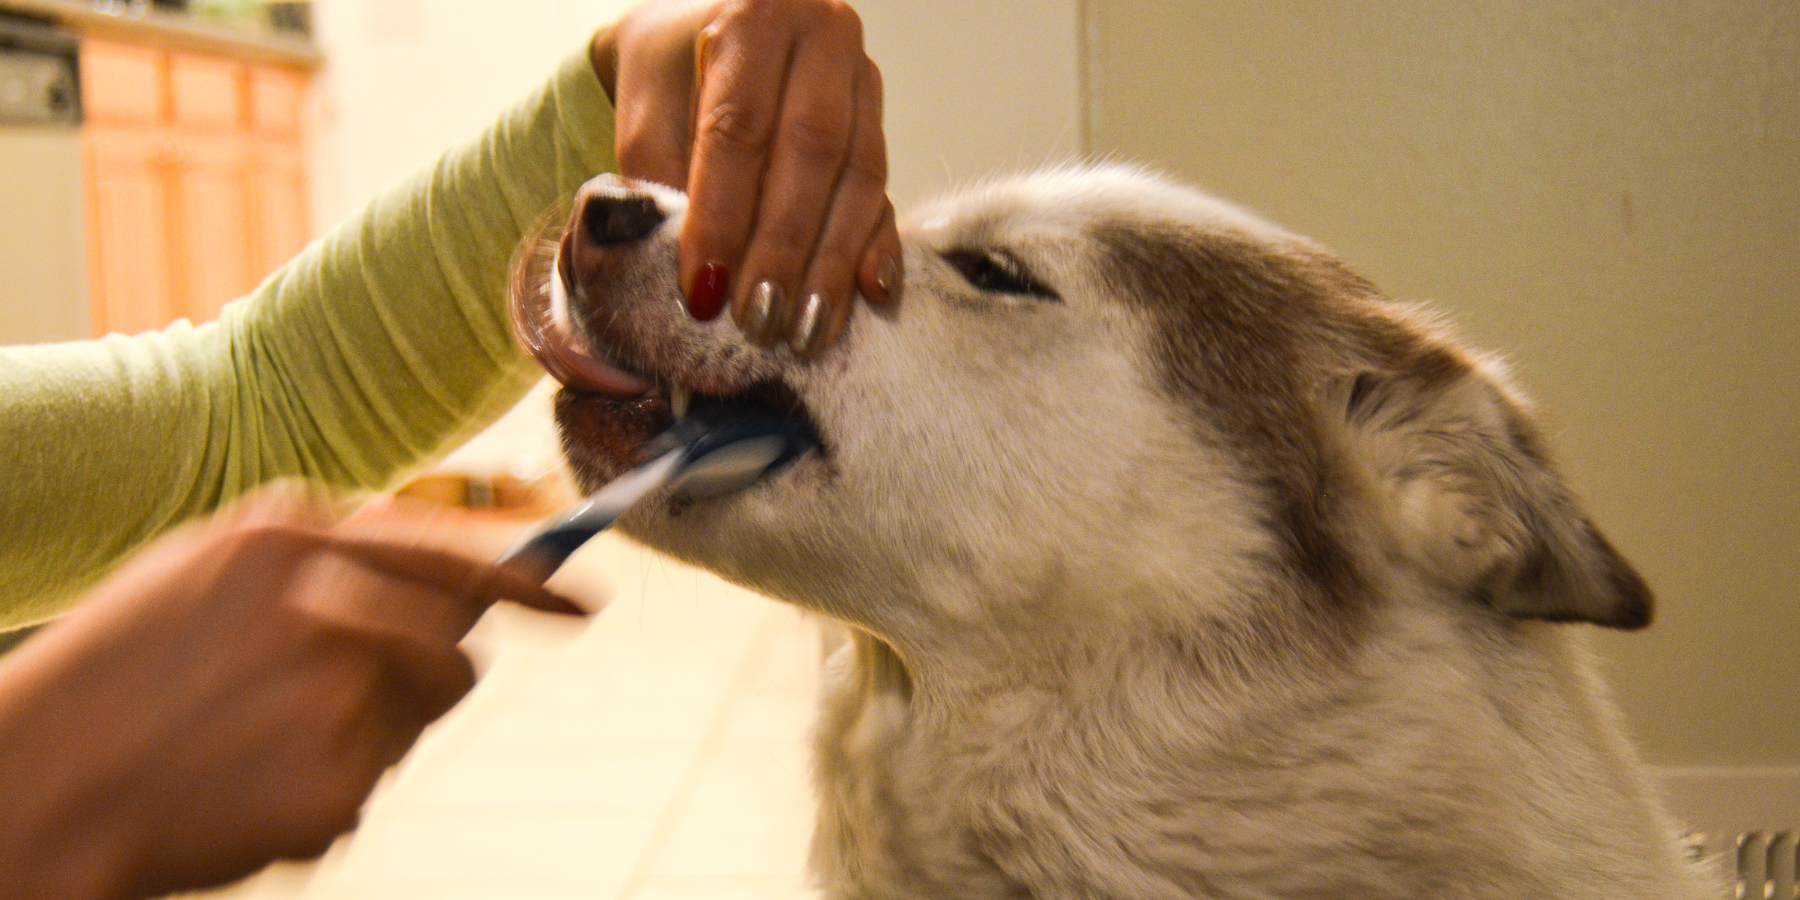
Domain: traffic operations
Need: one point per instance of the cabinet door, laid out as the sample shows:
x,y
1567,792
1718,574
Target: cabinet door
x,y
206,93
128,231
196,180
213,225
123,84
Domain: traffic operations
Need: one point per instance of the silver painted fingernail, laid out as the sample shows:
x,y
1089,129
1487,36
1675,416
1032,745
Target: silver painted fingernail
x,y
887,275
807,328
761,311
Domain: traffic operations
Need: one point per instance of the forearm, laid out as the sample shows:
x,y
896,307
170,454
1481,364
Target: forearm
x,y
380,345
424,267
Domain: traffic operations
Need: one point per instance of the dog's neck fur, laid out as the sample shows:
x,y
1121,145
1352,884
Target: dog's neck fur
x,y
933,776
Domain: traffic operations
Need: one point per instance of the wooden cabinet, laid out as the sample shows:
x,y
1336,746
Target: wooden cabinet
x,y
196,180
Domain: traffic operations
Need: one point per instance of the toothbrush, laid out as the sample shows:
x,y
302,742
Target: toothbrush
x,y
695,458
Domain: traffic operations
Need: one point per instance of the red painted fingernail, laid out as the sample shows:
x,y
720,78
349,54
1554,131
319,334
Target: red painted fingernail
x,y
706,296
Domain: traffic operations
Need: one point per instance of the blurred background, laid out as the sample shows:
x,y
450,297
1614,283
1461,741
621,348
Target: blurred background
x,y
1607,193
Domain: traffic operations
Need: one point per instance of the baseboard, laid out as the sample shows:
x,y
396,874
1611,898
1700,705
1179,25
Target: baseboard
x,y
1725,801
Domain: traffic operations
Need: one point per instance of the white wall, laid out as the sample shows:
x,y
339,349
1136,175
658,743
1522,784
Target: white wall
x,y
43,269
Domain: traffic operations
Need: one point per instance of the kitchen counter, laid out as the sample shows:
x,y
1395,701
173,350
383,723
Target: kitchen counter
x,y
116,19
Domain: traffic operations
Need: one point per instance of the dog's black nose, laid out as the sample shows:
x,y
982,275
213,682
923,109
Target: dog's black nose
x,y
618,215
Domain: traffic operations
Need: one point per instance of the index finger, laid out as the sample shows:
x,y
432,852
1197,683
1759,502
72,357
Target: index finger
x,y
481,583
437,547
743,64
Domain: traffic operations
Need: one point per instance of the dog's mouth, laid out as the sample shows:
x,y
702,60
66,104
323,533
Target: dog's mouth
x,y
609,409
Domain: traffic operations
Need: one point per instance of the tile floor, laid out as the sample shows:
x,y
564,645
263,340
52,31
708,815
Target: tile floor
x,y
658,753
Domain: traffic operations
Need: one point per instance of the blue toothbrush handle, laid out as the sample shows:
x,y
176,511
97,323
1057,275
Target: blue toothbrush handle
x,y
543,551
695,457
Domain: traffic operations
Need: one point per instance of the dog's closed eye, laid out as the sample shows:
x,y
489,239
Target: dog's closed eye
x,y
997,272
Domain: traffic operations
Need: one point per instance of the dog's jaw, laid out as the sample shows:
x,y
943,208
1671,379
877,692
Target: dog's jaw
x,y
609,321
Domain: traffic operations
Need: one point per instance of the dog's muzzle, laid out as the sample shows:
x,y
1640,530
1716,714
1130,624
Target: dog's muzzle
x,y
608,212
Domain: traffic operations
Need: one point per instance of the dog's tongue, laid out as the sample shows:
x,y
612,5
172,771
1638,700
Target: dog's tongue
x,y
541,319
571,363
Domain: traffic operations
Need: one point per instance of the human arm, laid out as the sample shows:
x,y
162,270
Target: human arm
x,y
386,341
381,344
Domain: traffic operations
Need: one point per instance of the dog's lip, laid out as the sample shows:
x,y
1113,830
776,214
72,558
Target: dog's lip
x,y
582,370
540,301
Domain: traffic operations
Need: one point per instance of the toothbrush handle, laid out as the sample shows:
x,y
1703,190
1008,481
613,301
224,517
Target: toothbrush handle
x,y
541,554
545,549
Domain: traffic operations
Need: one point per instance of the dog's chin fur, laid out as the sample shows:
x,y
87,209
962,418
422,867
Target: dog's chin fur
x,y
1176,562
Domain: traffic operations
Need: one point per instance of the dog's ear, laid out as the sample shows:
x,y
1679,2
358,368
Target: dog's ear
x,y
1472,500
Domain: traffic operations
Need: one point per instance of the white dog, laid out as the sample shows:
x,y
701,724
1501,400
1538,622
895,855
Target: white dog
x,y
1177,562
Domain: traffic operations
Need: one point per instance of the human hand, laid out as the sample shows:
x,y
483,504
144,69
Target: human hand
x,y
231,695
768,113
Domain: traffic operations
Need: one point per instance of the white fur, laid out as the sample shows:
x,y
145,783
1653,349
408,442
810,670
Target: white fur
x,y
1066,676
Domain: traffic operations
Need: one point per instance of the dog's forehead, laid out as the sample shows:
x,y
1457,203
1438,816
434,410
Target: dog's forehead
x,y
1074,200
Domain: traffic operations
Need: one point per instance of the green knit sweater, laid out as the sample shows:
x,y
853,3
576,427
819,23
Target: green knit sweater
x,y
382,344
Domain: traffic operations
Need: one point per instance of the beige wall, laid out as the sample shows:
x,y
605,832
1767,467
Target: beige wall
x,y
975,89
407,77
1610,193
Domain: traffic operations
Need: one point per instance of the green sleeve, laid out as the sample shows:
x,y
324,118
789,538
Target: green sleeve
x,y
380,345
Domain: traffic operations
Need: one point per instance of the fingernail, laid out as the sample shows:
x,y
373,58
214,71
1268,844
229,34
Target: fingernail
x,y
706,296
807,328
888,275
760,311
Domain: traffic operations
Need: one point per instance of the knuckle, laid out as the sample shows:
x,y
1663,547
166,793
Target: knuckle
x,y
760,16
866,167
797,15
321,827
817,135
768,9
872,74
342,692
782,267
840,17
833,265
782,242
720,25
337,804
734,128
